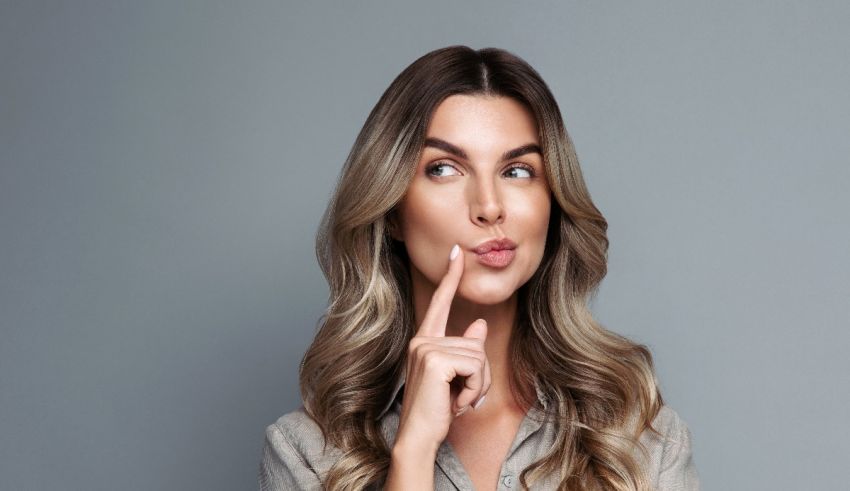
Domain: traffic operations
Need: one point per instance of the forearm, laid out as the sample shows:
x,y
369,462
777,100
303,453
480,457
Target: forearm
x,y
411,469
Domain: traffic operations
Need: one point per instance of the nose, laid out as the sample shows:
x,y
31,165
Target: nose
x,y
485,203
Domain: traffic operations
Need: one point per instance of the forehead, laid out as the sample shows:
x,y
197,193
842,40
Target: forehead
x,y
477,120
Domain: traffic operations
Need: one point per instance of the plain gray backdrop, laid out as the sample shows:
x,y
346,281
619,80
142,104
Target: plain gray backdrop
x,y
165,166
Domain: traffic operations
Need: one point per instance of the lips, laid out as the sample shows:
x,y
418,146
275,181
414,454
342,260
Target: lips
x,y
496,253
495,245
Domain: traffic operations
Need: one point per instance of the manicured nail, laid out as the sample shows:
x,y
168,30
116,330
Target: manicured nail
x,y
465,409
480,402
455,251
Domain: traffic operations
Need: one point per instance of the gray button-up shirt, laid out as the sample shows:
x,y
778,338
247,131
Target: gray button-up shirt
x,y
293,456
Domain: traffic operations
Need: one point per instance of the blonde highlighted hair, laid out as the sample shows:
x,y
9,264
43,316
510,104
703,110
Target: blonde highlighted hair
x,y
602,386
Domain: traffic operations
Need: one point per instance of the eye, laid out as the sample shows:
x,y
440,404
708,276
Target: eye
x,y
436,168
522,169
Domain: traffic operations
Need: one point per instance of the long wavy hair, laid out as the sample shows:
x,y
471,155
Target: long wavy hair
x,y
602,387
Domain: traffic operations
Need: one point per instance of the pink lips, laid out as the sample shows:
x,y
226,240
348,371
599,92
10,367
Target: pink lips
x,y
496,253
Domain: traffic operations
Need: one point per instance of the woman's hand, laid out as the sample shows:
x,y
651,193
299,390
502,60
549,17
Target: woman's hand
x,y
446,375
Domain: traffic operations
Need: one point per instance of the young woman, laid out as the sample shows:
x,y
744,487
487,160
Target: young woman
x,y
458,350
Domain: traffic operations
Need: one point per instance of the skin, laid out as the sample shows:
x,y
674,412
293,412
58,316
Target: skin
x,y
466,310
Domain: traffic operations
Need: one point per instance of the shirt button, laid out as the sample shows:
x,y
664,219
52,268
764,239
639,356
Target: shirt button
x,y
508,480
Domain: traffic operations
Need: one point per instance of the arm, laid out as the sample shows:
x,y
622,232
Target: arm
x,y
411,469
429,407
282,468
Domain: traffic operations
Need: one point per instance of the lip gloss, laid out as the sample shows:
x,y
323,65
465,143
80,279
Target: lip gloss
x,y
496,258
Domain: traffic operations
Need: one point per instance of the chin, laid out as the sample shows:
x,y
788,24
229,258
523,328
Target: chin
x,y
485,292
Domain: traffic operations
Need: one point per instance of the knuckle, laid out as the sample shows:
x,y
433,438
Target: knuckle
x,y
430,358
418,351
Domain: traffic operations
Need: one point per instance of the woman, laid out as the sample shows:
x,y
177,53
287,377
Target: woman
x,y
458,351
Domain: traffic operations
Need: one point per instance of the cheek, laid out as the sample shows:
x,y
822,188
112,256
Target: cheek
x,y
533,214
427,219
536,228
429,227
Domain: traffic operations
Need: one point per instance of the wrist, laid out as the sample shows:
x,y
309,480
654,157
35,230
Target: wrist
x,y
411,468
405,450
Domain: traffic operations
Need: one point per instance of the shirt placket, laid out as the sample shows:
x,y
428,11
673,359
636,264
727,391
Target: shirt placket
x,y
452,468
517,460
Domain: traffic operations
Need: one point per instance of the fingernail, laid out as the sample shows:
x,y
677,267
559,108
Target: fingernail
x,y
465,409
480,402
455,251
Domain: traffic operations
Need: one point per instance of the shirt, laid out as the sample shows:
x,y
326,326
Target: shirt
x,y
293,456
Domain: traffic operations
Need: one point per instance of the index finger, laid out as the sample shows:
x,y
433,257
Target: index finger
x,y
434,323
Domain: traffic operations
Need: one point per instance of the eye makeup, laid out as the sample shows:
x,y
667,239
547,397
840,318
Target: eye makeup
x,y
430,168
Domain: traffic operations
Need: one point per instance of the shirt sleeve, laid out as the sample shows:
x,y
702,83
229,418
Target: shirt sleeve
x,y
282,467
678,472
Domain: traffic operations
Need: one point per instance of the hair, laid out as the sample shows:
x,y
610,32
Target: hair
x,y
601,386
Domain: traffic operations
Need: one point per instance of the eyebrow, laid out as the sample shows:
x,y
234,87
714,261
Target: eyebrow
x,y
457,151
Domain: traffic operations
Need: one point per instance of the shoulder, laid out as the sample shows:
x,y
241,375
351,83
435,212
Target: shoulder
x,y
670,457
672,427
294,453
296,426
303,435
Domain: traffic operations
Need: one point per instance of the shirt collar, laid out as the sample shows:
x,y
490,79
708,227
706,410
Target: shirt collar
x,y
394,398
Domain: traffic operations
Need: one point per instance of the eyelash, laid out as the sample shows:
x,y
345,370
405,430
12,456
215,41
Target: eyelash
x,y
439,164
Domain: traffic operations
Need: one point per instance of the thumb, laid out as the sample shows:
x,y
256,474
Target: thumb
x,y
477,329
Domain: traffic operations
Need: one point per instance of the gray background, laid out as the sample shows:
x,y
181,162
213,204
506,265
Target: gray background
x,y
165,165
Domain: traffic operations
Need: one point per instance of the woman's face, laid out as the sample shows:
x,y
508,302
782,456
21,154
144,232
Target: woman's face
x,y
480,177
